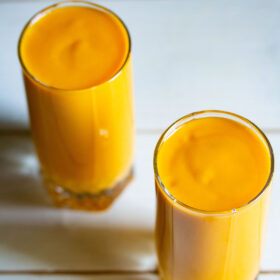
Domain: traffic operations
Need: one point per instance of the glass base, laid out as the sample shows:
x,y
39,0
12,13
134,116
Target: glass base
x,y
86,201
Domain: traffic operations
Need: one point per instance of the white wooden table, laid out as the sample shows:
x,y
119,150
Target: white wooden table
x,y
188,56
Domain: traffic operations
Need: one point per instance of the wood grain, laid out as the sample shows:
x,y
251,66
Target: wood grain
x,y
188,56
36,236
106,277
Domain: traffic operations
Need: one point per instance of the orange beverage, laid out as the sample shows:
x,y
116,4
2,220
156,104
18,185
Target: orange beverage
x,y
213,171
76,61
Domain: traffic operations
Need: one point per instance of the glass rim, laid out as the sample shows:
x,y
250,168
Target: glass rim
x,y
74,3
190,117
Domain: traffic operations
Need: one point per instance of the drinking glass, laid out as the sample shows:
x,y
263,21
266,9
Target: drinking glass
x,y
84,138
203,245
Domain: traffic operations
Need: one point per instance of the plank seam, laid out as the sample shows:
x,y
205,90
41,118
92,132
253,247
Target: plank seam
x,y
78,272
100,272
24,133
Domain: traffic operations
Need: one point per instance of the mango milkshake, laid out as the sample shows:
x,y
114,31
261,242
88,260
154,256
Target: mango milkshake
x,y
213,172
77,71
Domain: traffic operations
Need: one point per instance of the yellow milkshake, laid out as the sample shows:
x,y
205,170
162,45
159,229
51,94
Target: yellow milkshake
x,y
210,171
77,70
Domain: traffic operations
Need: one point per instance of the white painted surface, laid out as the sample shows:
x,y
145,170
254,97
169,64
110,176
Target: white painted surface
x,y
91,277
36,236
111,277
188,56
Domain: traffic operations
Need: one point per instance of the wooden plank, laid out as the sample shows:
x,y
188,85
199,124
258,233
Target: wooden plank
x,y
188,56
105,277
80,277
36,236
270,276
271,260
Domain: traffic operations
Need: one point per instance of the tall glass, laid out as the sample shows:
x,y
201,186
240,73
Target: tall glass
x,y
202,245
84,138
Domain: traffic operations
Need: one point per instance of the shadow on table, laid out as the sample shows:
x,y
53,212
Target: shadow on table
x,y
77,247
20,183
59,239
